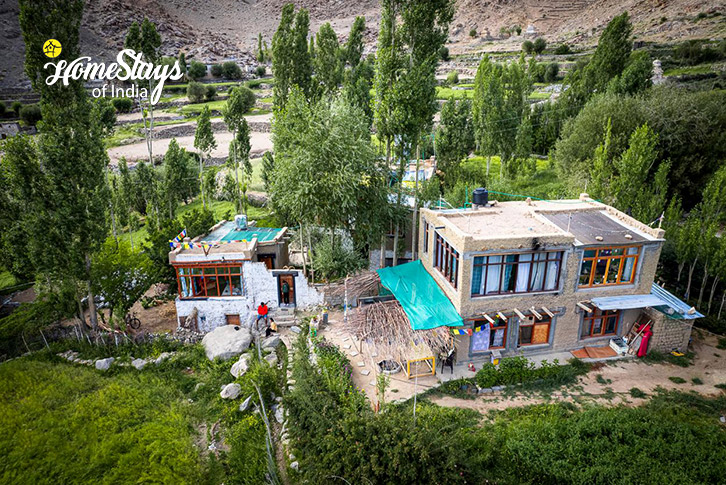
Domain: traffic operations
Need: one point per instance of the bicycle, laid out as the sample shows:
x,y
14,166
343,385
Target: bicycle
x,y
131,321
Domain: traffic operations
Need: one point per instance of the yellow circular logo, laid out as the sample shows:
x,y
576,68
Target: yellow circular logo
x,y
52,48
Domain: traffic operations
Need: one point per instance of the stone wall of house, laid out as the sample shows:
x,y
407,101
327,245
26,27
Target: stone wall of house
x,y
212,312
669,333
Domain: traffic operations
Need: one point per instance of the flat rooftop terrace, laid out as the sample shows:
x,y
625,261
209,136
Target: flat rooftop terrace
x,y
228,232
586,221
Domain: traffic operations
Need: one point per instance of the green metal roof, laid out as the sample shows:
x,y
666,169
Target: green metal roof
x,y
227,232
424,302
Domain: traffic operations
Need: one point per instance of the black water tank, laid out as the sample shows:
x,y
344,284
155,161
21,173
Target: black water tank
x,y
480,196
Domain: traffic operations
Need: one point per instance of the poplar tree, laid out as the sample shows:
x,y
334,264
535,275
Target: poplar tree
x,y
354,46
65,210
487,107
302,65
204,142
454,138
233,114
176,176
282,57
328,65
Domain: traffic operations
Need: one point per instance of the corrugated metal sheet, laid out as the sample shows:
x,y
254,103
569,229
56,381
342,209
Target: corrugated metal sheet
x,y
586,226
674,307
627,302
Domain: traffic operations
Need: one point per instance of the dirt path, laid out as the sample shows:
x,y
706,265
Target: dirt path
x,y
610,384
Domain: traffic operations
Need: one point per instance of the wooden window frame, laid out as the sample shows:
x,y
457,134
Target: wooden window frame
x,y
550,256
217,275
426,235
444,257
603,315
477,323
546,320
592,261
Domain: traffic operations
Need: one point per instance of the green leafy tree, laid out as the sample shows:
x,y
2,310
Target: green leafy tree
x,y
183,63
268,167
454,138
260,49
528,46
328,62
237,106
66,219
241,146
283,57
204,142
197,70
179,175
539,45
121,276
302,64
354,46
195,92
357,88
636,77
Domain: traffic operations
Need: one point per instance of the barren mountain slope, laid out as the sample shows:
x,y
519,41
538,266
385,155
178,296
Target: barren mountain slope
x,y
219,29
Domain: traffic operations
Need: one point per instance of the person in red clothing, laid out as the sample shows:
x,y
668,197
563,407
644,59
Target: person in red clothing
x,y
262,312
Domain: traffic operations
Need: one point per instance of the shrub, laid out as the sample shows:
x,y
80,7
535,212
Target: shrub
x,y
563,50
261,70
196,92
248,97
217,70
677,380
196,70
528,46
3,108
16,107
122,105
452,78
210,93
334,260
472,33
697,381
539,45
721,343
444,53
721,386
637,393
231,70
31,114
487,376
551,72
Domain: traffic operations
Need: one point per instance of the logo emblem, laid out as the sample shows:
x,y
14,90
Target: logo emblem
x,y
52,48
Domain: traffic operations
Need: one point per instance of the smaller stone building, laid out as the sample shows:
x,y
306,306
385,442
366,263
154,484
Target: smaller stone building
x,y
223,276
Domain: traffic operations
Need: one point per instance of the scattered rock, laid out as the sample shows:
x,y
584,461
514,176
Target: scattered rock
x,y
163,357
226,342
271,359
245,404
365,372
231,391
271,342
295,329
295,466
139,363
279,417
240,367
104,364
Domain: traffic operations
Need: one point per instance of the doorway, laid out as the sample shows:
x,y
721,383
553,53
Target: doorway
x,y
268,259
286,281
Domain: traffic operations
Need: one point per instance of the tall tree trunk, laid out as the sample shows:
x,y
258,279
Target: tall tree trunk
x,y
302,250
690,277
150,129
414,225
201,180
236,171
91,301
713,290
489,164
704,280
81,313
680,270
310,248
720,308
382,258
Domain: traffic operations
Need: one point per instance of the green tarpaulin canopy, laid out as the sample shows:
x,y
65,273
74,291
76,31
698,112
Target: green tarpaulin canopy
x,y
423,301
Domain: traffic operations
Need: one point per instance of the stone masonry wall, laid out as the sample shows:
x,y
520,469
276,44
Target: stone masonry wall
x,y
669,333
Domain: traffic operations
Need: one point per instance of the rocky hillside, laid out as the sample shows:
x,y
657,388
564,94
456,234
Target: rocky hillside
x,y
222,29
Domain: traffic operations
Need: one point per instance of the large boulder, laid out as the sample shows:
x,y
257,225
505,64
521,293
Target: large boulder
x,y
240,367
231,391
226,342
271,342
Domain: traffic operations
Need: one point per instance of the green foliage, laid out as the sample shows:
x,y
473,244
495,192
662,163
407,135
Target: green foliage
x,y
454,139
120,275
693,52
196,92
180,176
354,47
197,70
197,222
539,45
282,57
210,92
31,114
230,70
551,71
697,381
677,380
636,77
563,50
452,78
472,33
721,343
16,106
3,108
123,105
637,393
520,370
247,457
268,167
261,70
333,260
528,46
328,62
217,70
655,357
444,53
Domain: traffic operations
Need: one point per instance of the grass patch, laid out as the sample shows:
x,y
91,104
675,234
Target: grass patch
x,y
677,380
697,381
448,93
601,380
721,343
680,71
655,357
7,280
196,108
637,393
463,388
721,386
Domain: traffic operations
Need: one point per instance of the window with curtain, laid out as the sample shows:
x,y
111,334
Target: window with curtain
x,y
490,336
446,259
533,331
516,273
212,280
608,266
600,323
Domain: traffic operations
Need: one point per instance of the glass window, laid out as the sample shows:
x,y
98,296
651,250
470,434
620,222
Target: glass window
x,y
516,273
446,260
600,323
609,266
210,281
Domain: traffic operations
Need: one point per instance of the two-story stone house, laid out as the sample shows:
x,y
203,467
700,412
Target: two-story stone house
x,y
533,276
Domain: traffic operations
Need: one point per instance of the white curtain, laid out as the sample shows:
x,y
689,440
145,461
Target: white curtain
x,y
523,269
492,276
553,268
538,268
480,340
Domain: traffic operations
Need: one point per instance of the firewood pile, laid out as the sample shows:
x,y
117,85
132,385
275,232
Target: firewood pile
x,y
385,326
359,285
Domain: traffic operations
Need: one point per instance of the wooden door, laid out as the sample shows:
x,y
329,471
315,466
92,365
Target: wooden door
x,y
283,280
268,259
232,319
